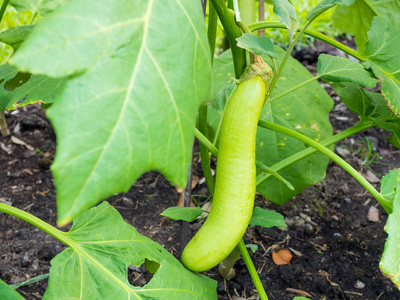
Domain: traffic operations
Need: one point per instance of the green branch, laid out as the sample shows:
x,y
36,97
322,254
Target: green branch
x,y
288,91
212,29
202,139
3,9
204,154
58,234
233,32
382,201
252,270
310,32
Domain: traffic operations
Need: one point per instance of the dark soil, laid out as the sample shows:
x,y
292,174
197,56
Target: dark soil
x,y
336,249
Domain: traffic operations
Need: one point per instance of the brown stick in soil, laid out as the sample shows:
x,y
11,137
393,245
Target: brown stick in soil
x,y
3,124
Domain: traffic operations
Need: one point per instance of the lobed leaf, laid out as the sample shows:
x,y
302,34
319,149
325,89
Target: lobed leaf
x,y
390,261
381,52
356,19
339,69
138,79
101,247
19,89
266,218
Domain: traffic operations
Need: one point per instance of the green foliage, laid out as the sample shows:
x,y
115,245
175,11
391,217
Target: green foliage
x,y
390,187
340,69
286,11
303,8
266,218
182,213
85,270
382,56
147,122
356,19
26,87
8,293
11,19
259,45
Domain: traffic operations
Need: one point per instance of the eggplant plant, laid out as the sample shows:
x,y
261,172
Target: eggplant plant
x,y
144,78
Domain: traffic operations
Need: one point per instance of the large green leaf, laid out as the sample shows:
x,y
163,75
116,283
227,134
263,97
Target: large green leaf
x,y
390,262
101,247
8,293
356,19
338,69
382,52
141,70
306,110
34,88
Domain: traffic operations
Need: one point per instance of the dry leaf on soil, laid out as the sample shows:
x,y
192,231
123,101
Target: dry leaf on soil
x,y
282,257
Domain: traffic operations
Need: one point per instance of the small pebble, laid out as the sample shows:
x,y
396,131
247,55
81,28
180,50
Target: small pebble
x,y
359,285
309,229
347,200
337,237
128,203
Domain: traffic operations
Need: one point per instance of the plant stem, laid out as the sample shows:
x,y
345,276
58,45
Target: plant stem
x,y
58,234
212,29
202,139
233,32
285,58
3,124
252,270
3,9
306,152
30,281
293,89
382,201
310,32
204,154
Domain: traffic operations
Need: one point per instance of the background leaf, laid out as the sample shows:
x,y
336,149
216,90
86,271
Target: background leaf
x,y
326,4
338,69
382,52
356,19
41,7
266,218
15,35
306,110
259,45
85,270
182,213
8,293
390,262
34,88
141,70
288,15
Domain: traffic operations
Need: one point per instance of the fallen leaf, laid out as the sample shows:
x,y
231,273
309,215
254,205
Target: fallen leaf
x,y
373,214
21,142
282,257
